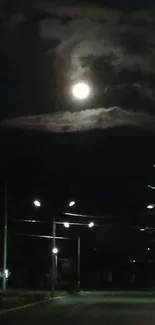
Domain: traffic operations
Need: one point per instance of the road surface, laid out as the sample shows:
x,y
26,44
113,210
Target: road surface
x,y
87,308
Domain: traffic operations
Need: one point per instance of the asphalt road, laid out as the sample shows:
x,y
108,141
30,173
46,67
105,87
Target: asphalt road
x,y
87,308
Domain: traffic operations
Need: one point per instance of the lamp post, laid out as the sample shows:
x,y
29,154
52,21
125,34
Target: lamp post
x,y
37,204
54,267
67,225
79,260
5,238
54,255
55,250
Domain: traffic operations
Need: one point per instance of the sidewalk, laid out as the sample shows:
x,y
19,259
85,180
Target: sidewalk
x,y
16,298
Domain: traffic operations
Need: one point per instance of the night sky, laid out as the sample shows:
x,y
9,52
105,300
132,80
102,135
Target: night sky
x,y
106,162
47,47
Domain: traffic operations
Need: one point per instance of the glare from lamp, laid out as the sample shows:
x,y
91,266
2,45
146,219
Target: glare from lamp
x,y
66,224
6,273
150,206
91,224
37,203
55,250
71,203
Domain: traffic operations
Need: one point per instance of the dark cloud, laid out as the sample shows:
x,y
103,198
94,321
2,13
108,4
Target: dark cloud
x,y
45,47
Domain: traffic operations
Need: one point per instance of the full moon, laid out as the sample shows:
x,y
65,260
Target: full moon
x,y
81,90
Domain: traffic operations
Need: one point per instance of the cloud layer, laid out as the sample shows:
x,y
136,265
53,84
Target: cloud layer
x,y
84,120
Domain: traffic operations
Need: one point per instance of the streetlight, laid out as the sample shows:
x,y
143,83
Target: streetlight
x,y
54,268
91,224
66,224
148,249
5,248
71,203
37,203
55,264
54,255
150,206
81,90
152,187
55,250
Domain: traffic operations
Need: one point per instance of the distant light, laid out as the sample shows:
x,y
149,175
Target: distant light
x,y
150,206
152,187
133,261
66,224
148,249
71,203
55,250
81,90
6,272
142,229
37,203
91,224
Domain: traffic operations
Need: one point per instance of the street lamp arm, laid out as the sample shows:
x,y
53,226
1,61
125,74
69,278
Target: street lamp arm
x,y
78,215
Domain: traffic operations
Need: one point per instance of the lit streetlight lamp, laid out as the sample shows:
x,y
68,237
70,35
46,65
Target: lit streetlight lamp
x,y
71,203
55,265
91,224
37,203
81,90
152,187
55,250
150,206
66,224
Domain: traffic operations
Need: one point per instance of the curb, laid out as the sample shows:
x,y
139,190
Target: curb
x,y
9,310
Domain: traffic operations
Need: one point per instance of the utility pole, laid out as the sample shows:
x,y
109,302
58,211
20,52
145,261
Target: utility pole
x,y
53,259
5,236
78,268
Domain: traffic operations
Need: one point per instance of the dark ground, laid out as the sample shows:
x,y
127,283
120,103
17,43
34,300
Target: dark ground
x,y
15,298
89,308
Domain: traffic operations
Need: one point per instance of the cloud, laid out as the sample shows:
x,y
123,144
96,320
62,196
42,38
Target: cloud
x,y
129,45
83,120
45,47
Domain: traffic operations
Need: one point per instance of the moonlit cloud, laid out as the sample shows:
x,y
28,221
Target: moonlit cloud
x,y
84,120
